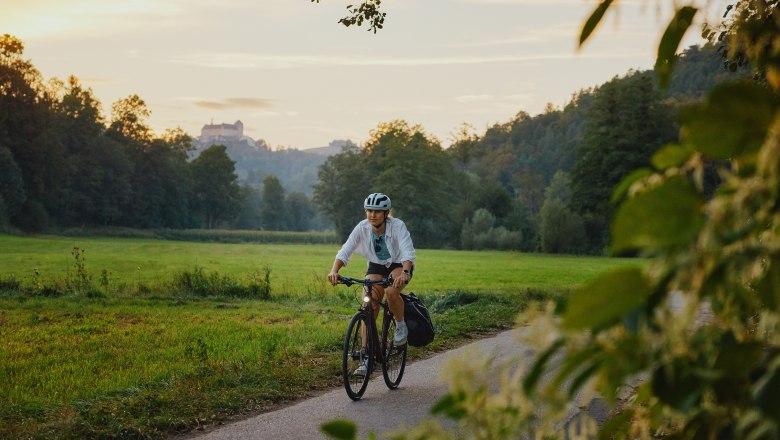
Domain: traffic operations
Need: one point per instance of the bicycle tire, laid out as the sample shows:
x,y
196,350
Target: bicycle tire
x,y
394,357
356,339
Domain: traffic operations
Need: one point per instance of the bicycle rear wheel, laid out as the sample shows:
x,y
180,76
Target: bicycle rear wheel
x,y
394,356
357,344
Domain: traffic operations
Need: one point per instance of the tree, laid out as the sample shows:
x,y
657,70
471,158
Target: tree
x,y
494,197
273,213
560,229
625,124
403,162
251,204
215,186
300,211
412,168
128,120
464,146
95,189
26,130
558,188
162,187
342,179
12,194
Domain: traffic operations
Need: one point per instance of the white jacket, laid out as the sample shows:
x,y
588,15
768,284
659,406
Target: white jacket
x,y
397,237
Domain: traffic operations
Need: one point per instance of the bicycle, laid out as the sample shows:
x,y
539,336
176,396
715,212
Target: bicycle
x,y
362,345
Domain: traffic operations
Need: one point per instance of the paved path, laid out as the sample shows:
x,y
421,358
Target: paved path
x,y
380,410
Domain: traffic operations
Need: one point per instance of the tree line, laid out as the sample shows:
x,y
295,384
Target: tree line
x,y
63,165
533,183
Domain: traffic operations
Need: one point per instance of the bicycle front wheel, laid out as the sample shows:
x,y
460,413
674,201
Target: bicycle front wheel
x,y
394,356
356,363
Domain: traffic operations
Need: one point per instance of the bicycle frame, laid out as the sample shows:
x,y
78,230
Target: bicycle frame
x,y
367,305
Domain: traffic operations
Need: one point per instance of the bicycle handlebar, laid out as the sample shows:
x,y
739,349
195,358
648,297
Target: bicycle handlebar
x,y
347,281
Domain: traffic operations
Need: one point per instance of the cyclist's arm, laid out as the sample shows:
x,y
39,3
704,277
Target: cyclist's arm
x,y
350,246
333,276
406,246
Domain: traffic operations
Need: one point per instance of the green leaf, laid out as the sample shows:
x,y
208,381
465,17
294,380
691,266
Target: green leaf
x,y
677,385
449,405
340,429
540,364
671,155
573,362
606,299
735,362
664,216
594,20
732,123
768,288
766,390
670,41
580,379
622,188
611,427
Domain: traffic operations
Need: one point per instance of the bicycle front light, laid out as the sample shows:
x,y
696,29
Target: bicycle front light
x,y
366,299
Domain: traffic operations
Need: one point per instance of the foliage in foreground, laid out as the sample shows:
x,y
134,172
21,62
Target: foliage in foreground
x,y
689,347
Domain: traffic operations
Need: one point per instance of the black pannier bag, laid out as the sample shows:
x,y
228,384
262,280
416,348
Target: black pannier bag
x,y
418,321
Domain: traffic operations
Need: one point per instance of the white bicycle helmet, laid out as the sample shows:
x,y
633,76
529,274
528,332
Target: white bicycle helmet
x,y
377,201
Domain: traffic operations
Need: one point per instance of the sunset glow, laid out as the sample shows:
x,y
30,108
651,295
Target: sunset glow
x,y
297,78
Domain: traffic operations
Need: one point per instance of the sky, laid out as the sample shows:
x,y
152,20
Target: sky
x,y
298,79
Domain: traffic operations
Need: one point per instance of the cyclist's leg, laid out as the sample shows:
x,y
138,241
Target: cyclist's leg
x,y
376,272
378,292
394,300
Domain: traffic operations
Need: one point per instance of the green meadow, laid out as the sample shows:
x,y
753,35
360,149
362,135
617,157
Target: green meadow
x,y
104,342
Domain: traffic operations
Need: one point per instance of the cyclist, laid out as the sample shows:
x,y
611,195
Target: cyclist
x,y
387,245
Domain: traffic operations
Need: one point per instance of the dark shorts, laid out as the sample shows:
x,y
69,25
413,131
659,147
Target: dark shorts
x,y
379,269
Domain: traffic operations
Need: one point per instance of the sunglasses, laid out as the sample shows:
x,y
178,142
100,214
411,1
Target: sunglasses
x,y
377,243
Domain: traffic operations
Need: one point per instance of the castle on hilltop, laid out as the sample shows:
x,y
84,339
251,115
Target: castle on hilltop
x,y
211,133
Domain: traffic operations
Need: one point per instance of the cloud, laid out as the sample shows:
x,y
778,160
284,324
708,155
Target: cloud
x,y
249,61
473,98
231,103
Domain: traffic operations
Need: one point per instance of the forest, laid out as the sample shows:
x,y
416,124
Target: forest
x,y
533,183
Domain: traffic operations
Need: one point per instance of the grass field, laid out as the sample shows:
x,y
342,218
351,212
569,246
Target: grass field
x,y
135,362
295,268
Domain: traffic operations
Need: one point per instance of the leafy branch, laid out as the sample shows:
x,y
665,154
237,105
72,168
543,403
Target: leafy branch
x,y
367,11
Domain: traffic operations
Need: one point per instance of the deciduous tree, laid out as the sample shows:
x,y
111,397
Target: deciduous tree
x,y
273,212
215,186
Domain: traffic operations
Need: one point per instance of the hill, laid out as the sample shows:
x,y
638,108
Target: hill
x,y
295,169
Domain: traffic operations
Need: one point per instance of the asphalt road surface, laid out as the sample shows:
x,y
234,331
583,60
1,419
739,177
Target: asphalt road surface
x,y
380,410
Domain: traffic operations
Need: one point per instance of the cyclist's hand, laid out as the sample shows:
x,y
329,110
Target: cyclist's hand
x,y
401,281
333,277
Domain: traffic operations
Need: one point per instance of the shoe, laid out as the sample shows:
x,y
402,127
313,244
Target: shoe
x,y
362,370
401,333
